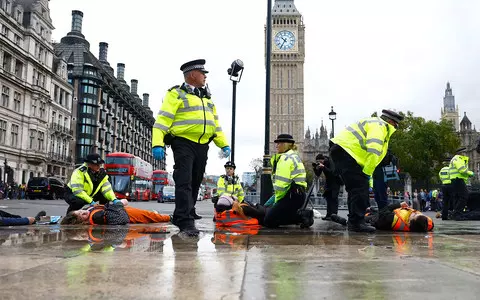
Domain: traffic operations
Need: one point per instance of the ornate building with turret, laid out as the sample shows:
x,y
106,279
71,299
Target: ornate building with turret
x,y
315,144
465,129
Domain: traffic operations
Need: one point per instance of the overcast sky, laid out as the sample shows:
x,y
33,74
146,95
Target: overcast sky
x,y
361,56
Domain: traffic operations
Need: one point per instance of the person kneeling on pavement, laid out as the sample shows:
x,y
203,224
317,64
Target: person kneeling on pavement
x,y
229,188
113,213
89,184
399,217
289,183
7,219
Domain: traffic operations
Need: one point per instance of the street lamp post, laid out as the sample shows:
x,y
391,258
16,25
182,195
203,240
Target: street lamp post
x,y
266,180
235,72
332,115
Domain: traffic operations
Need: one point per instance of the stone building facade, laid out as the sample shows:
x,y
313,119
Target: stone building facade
x,y
31,82
287,69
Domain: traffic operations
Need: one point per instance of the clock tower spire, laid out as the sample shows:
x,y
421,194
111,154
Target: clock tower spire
x,y
287,60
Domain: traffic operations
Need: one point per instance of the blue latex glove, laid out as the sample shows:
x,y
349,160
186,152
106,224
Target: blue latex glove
x,y
93,203
370,189
226,151
116,201
270,201
158,152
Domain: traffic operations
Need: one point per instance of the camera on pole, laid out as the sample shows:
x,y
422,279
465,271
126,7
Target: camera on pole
x,y
235,72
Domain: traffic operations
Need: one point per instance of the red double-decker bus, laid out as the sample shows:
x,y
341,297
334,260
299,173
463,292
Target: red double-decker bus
x,y
159,180
130,176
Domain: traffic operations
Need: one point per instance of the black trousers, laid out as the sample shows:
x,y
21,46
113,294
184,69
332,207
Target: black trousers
x,y
447,200
190,160
460,195
331,196
76,203
284,212
356,183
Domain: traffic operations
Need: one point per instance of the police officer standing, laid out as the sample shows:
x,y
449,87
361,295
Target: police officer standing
x,y
444,175
356,151
459,174
188,121
89,184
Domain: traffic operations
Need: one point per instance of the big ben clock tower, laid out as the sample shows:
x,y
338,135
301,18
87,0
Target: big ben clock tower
x,y
288,57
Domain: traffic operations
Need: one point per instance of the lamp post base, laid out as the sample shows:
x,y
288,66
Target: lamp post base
x,y
266,180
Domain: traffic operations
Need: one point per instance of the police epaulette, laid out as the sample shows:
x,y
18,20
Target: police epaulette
x,y
173,87
83,168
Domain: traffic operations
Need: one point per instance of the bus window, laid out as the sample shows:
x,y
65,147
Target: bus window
x,y
120,183
118,160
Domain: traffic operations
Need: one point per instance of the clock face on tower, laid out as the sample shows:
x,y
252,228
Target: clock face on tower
x,y
285,40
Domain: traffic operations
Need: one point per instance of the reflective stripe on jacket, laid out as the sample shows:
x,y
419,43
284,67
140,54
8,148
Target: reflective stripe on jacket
x,y
229,218
444,175
82,186
459,168
366,141
401,219
186,115
230,189
287,168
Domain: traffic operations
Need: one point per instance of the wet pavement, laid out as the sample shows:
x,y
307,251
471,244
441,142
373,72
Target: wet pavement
x,y
155,262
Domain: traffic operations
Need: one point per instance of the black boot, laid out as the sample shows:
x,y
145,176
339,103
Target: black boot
x,y
194,215
305,218
187,227
338,219
360,226
328,217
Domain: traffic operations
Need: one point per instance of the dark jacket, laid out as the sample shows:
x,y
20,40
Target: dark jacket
x,y
110,214
383,219
332,180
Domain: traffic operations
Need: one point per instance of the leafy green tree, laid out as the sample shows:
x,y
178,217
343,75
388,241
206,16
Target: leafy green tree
x,y
421,146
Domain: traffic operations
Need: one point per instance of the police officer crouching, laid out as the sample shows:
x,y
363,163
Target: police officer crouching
x,y
89,184
188,121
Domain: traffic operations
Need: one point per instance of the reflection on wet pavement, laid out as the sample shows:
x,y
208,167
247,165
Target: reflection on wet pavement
x,y
156,262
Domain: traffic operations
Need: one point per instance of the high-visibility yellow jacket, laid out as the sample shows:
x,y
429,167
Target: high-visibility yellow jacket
x,y
444,175
186,115
234,188
366,141
459,168
82,186
287,168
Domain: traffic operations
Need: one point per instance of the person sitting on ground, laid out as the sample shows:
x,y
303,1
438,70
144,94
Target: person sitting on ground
x,y
289,183
229,188
7,219
114,213
399,217
89,184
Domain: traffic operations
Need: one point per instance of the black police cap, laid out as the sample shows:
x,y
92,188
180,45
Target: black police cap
x,y
198,64
390,114
94,158
230,164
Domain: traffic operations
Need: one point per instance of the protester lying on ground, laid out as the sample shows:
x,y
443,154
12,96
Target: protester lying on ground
x,y
117,212
399,217
7,219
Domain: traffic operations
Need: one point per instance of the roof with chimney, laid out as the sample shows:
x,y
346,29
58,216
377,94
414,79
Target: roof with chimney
x,y
75,50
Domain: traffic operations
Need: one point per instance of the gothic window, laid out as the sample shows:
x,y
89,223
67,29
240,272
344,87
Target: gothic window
x,y
7,61
41,139
18,68
33,135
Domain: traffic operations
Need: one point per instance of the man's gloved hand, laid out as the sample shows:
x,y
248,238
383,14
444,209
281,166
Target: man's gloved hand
x,y
93,203
226,151
158,152
116,201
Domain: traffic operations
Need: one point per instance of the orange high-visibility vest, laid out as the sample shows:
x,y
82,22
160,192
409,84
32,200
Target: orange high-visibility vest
x,y
97,208
401,219
230,218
